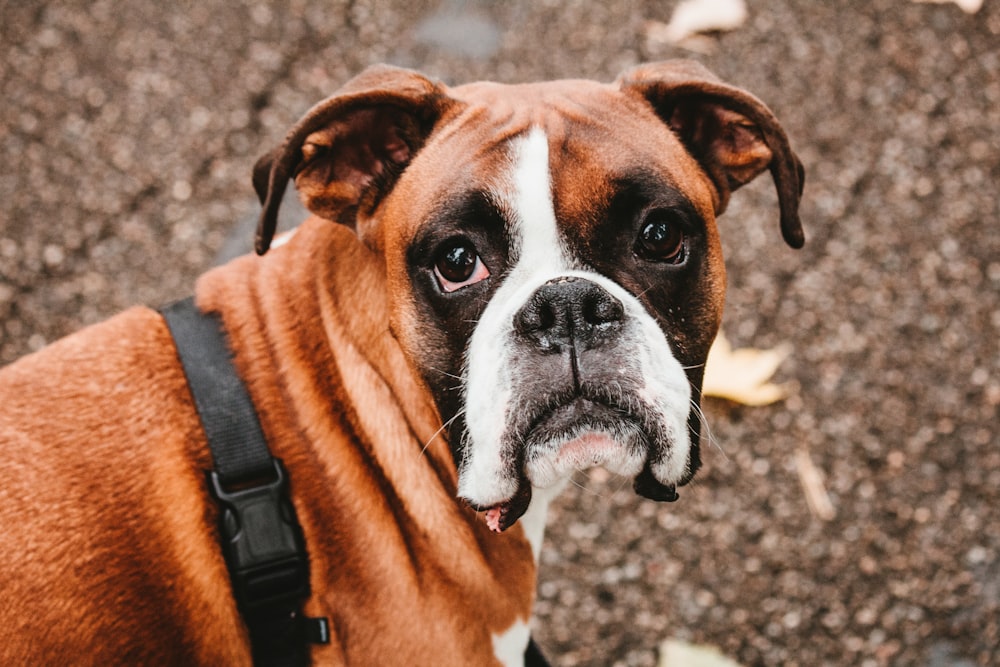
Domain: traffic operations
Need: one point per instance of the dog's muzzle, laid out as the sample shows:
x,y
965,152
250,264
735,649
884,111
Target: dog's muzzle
x,y
591,382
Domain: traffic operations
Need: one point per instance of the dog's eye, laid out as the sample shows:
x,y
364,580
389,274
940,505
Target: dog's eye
x,y
459,266
662,240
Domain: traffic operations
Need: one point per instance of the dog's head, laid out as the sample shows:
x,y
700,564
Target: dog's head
x,y
552,255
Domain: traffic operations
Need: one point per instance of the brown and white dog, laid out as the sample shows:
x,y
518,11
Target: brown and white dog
x,y
525,282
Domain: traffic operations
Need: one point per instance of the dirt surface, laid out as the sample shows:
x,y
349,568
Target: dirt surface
x,y
127,134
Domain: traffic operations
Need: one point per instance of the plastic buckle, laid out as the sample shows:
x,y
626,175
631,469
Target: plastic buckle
x,y
262,543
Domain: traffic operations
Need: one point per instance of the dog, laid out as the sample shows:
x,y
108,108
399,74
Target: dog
x,y
499,285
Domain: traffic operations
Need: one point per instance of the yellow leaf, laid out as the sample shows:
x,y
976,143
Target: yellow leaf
x,y
674,653
692,19
967,6
744,375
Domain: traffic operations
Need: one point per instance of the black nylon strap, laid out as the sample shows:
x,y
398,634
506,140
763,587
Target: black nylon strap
x,y
260,536
533,656
279,633
239,449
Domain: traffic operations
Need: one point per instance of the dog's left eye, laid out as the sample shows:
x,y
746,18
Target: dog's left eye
x,y
459,266
662,239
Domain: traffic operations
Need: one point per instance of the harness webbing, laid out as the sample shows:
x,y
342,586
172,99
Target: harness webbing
x,y
260,534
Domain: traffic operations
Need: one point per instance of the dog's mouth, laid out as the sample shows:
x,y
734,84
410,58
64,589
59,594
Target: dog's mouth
x,y
569,433
503,515
571,416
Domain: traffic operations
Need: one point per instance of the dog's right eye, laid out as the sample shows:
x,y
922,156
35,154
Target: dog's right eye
x,y
459,266
662,239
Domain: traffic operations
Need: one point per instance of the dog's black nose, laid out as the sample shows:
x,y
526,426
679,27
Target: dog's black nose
x,y
569,312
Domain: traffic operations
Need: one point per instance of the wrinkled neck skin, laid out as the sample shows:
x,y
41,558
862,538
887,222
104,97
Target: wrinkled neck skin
x,y
373,481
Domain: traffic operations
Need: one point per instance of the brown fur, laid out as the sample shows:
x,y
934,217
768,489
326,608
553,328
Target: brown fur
x,y
109,550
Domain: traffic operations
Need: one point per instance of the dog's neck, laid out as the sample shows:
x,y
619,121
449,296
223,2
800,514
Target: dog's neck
x,y
321,299
320,341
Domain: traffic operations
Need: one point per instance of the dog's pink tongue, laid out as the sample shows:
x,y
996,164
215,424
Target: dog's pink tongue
x,y
494,517
501,517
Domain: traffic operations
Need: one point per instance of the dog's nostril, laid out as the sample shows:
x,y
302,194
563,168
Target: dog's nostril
x,y
599,307
537,315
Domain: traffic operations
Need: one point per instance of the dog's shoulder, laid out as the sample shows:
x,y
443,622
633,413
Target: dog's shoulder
x,y
110,397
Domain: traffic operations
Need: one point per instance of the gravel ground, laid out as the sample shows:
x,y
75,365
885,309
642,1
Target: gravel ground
x,y
128,131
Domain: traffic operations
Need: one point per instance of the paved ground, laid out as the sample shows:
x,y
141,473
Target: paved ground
x,y
127,133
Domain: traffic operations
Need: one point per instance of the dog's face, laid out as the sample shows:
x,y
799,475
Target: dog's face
x,y
554,266
562,287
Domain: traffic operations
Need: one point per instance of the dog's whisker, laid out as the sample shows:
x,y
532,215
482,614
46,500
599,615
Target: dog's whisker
x,y
641,294
584,487
707,428
441,430
622,483
446,373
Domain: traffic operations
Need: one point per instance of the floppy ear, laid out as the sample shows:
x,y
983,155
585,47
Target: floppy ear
x,y
731,133
348,150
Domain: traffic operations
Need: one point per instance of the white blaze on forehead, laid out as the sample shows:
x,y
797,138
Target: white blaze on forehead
x,y
485,476
536,229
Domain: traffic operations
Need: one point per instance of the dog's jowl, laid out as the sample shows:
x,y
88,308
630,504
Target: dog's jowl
x,y
499,285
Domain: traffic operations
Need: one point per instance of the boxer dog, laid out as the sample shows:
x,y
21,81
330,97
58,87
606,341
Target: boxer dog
x,y
499,285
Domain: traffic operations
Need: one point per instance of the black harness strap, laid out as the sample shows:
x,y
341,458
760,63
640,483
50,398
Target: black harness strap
x,y
239,450
533,656
260,534
261,537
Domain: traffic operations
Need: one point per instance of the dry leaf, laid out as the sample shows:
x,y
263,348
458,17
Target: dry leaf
x,y
812,485
674,653
691,18
967,6
743,375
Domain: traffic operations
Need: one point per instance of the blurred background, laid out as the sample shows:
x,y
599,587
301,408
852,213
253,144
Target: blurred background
x,y
127,136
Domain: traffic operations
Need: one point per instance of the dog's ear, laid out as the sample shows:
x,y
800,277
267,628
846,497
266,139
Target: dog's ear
x,y
346,151
731,133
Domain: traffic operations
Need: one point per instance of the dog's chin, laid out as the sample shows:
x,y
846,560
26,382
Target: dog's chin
x,y
569,432
580,435
575,436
